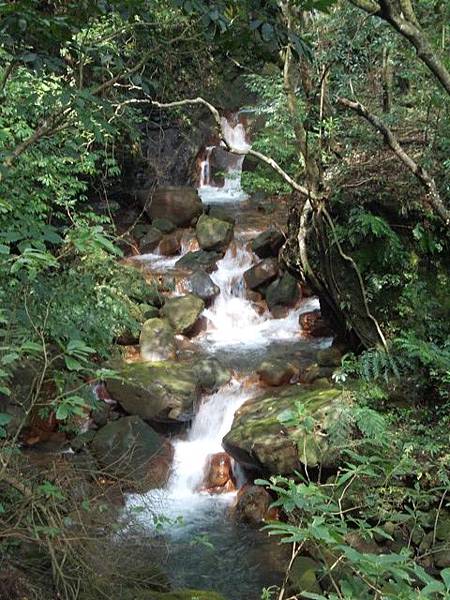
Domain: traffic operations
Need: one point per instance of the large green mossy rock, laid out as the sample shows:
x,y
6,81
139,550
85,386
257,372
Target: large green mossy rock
x,y
130,449
165,391
213,234
183,312
157,340
264,437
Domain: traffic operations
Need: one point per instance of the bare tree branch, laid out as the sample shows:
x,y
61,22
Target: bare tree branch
x,y
422,175
407,25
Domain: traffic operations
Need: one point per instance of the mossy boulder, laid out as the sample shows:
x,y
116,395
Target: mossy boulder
x,y
157,340
279,432
213,234
211,374
130,449
163,392
183,312
201,259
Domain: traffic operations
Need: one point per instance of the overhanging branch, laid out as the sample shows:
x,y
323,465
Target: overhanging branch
x,y
420,173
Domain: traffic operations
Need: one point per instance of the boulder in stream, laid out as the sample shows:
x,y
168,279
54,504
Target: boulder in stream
x,y
130,449
253,505
261,274
268,243
201,284
150,240
213,234
314,325
181,205
199,260
211,374
164,225
276,372
157,340
170,244
271,434
183,312
163,392
283,292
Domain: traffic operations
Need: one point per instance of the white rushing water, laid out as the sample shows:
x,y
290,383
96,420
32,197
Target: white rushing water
x,y
231,191
233,319
212,422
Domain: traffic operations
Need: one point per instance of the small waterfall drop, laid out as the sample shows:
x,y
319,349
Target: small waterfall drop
x,y
211,424
231,191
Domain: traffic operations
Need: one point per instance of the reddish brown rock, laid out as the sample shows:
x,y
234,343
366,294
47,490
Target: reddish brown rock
x,y
253,505
276,372
261,274
314,325
219,474
170,244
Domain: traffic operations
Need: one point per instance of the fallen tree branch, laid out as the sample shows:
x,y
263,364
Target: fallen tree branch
x,y
417,170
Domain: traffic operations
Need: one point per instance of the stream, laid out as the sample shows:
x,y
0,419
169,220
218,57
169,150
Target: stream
x,y
206,547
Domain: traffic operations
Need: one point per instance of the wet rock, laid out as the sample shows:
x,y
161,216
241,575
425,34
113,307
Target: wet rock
x,y
276,372
165,392
164,225
201,284
140,229
157,340
314,325
211,374
330,357
283,292
253,504
150,241
303,576
268,243
313,373
261,274
170,244
132,450
218,212
213,234
199,260
183,312
218,474
266,436
181,205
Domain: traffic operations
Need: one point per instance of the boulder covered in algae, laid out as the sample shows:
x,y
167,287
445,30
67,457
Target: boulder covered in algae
x,y
283,431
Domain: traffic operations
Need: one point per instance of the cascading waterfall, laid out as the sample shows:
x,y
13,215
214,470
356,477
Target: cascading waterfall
x,y
231,190
211,424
